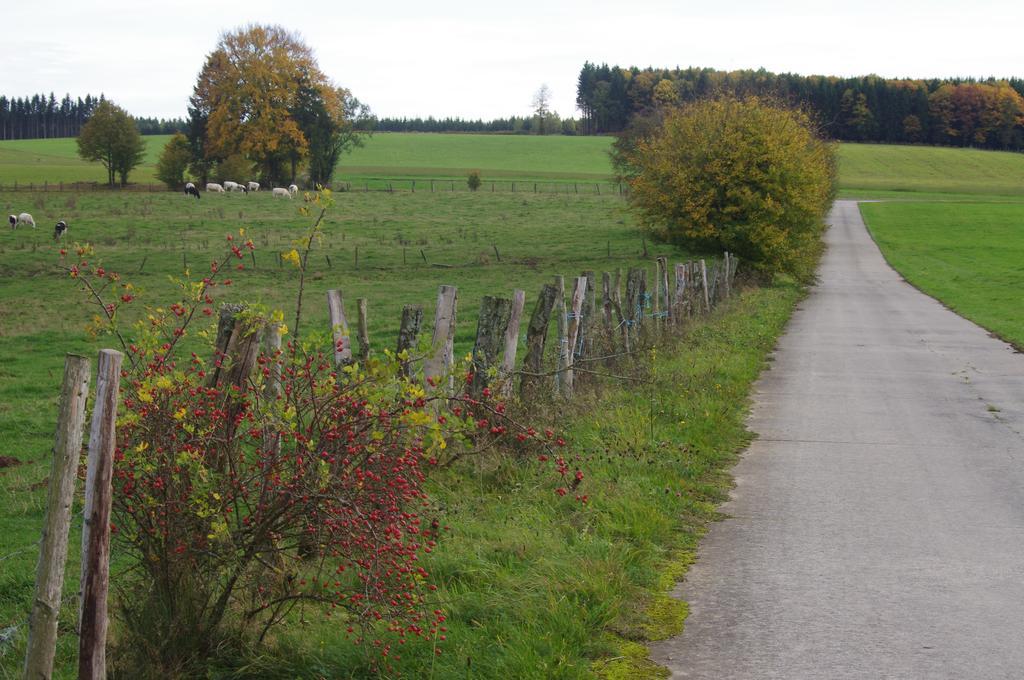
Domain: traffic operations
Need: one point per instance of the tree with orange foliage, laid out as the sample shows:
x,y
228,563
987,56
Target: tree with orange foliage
x,y
250,96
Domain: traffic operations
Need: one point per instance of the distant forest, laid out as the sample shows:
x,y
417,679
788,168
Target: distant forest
x,y
954,111
42,116
519,125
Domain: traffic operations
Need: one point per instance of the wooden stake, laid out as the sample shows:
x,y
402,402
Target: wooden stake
x,y
409,333
53,550
536,338
490,334
575,319
679,299
92,654
508,359
564,353
704,285
363,331
442,353
339,329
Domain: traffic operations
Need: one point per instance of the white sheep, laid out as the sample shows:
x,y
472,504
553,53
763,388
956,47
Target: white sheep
x,y
292,189
23,218
190,190
280,192
214,187
254,186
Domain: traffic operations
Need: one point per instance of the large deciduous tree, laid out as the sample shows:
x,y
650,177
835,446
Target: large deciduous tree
x,y
173,162
110,137
259,94
746,175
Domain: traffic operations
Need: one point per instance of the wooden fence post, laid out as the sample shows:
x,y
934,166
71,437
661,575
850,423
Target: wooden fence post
x,y
409,333
92,653
679,298
363,331
589,319
339,328
636,293
53,550
728,269
536,338
442,356
490,334
704,285
579,292
508,358
564,352
666,304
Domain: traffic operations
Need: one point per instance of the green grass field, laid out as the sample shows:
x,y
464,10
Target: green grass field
x,y
884,171
968,255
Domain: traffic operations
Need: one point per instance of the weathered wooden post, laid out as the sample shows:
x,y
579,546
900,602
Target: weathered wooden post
x,y
536,338
564,351
579,292
636,294
339,328
408,334
589,320
362,329
53,550
728,270
679,298
666,304
508,358
490,335
704,285
92,652
442,356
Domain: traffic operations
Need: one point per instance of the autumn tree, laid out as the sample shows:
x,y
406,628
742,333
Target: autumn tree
x,y
174,161
110,137
746,175
249,98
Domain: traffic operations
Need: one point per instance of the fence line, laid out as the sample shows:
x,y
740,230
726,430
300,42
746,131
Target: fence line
x,y
587,334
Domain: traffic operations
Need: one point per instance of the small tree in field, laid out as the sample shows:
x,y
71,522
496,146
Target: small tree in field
x,y
174,161
473,181
747,175
110,137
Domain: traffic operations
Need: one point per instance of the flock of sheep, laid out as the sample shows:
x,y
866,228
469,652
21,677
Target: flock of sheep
x,y
278,192
61,228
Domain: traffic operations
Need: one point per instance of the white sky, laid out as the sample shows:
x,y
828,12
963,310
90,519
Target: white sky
x,y
485,59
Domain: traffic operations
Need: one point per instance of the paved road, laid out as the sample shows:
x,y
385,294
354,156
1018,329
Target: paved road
x,y
877,525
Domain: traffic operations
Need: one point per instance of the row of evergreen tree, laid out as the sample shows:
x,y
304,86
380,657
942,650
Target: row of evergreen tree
x,y
954,111
43,116
520,125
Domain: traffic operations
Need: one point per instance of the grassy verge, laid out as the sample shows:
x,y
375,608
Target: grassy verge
x,y
968,255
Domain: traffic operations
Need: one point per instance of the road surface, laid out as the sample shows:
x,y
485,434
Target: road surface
x,y
877,525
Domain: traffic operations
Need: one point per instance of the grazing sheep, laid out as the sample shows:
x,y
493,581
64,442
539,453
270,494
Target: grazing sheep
x,y
254,186
292,189
190,190
59,230
279,192
230,186
23,218
213,186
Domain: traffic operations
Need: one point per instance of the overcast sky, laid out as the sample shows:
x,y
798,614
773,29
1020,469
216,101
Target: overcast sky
x,y
485,59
